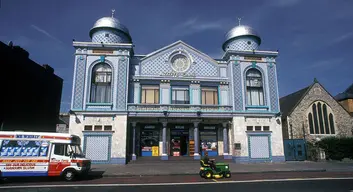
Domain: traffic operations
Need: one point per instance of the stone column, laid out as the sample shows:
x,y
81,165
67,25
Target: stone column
x,y
133,141
197,140
225,141
164,136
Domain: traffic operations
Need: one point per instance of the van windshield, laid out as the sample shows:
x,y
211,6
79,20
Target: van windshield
x,y
77,152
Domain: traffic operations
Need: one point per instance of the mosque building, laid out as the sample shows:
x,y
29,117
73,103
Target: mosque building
x,y
175,101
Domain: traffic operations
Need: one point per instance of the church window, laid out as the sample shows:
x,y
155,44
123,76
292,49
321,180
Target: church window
x,y
249,42
254,88
101,84
320,119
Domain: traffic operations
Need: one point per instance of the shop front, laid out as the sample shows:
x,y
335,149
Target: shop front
x,y
179,139
150,140
208,140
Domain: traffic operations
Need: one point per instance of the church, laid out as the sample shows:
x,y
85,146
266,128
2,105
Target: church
x,y
176,101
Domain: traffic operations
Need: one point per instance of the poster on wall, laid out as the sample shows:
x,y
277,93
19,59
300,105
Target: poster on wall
x,y
155,151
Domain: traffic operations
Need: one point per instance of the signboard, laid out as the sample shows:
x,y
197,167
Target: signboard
x,y
155,151
253,58
209,127
150,127
100,51
175,74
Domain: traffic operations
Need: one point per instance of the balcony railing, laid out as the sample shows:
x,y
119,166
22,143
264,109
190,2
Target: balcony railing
x,y
178,108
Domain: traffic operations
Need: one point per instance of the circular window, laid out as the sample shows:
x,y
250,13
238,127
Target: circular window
x,y
180,63
249,42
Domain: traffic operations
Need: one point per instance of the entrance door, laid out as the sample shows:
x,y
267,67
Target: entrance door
x,y
294,149
179,136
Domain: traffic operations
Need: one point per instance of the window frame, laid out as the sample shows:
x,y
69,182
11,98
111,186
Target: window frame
x,y
175,90
215,95
250,88
143,94
107,87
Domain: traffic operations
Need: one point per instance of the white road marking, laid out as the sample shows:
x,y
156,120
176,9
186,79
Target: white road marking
x,y
169,184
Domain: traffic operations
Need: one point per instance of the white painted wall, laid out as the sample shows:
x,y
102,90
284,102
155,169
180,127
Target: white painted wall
x,y
240,136
119,125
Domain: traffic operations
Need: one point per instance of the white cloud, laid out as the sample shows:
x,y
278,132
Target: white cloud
x,y
284,3
343,37
193,25
46,33
325,64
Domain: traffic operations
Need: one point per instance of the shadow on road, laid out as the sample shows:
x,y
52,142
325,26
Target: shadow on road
x,y
29,180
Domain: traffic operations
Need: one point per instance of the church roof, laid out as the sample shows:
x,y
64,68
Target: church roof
x,y
289,102
347,94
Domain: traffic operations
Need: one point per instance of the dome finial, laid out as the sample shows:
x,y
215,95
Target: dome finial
x,y
113,11
239,19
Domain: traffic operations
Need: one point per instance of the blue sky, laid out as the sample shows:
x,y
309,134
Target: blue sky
x,y
314,37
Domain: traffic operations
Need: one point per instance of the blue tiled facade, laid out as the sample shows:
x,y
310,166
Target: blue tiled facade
x,y
131,72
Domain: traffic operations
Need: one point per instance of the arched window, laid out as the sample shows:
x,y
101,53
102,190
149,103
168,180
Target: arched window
x,y
101,84
320,119
254,88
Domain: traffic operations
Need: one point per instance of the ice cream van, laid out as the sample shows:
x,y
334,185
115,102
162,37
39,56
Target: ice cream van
x,y
26,154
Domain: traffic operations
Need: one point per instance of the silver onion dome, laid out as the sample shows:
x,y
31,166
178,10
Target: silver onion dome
x,y
241,31
111,23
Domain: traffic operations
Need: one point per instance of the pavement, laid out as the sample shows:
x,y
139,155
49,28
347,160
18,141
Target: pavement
x,y
192,168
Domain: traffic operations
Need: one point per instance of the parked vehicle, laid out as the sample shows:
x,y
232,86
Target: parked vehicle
x,y
41,154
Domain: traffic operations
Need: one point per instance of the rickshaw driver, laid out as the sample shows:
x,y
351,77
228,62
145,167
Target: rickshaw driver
x,y
208,161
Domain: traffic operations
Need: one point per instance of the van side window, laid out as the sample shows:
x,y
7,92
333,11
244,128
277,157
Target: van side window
x,y
61,149
23,148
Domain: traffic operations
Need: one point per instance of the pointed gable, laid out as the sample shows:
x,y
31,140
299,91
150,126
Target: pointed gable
x,y
289,102
159,62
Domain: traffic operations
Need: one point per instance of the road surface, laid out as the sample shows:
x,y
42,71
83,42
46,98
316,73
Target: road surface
x,y
290,181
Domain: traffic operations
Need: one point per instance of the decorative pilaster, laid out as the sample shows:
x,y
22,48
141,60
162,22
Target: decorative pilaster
x,y
133,124
165,92
197,141
164,136
195,93
225,141
137,89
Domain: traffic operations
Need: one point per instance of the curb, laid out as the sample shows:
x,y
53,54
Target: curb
x,y
237,173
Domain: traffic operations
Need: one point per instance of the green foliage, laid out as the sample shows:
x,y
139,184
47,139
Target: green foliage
x,y
312,151
337,148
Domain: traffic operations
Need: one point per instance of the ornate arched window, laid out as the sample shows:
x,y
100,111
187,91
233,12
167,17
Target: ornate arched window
x,y
101,84
320,119
254,88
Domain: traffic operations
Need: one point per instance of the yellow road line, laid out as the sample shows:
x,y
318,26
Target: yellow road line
x,y
214,180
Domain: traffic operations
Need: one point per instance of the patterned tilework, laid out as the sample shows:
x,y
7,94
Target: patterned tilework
x,y
97,153
160,63
272,79
79,82
114,37
122,84
242,44
237,87
259,147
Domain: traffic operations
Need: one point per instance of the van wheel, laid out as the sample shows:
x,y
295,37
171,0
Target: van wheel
x,y
69,175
